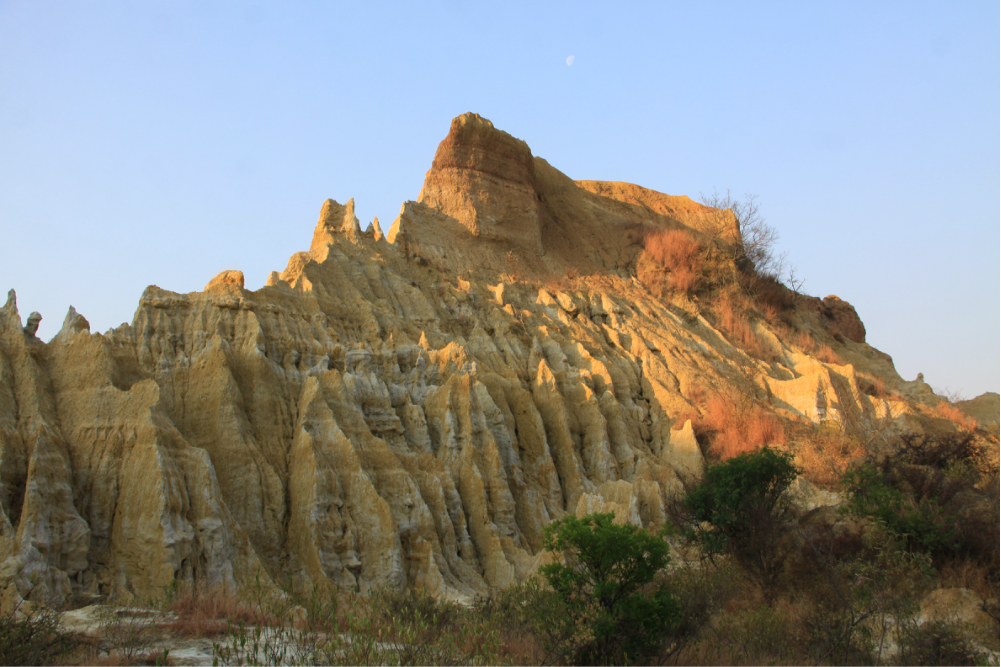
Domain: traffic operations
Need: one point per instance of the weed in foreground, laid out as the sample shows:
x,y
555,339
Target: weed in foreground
x,y
938,643
34,638
128,634
208,613
339,628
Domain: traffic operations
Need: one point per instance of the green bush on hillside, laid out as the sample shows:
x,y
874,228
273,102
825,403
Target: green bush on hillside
x,y
739,509
938,494
919,522
603,579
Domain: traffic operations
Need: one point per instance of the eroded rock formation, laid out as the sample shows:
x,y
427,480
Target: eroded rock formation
x,y
409,413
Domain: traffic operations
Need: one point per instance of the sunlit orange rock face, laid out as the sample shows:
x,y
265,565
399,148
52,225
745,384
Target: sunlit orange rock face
x,y
485,179
408,414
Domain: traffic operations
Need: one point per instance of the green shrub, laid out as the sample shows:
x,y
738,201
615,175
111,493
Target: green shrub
x,y
919,522
739,509
604,578
937,494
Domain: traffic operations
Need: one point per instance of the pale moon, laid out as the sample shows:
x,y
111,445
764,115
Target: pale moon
x,y
570,60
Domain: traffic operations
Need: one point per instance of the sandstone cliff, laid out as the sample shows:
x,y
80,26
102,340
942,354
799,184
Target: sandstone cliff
x,y
409,410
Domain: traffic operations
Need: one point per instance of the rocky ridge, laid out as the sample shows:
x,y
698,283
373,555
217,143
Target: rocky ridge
x,y
407,410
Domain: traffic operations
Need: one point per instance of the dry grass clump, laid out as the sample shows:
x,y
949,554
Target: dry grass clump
x,y
825,453
514,272
968,573
150,658
732,321
829,356
770,314
805,342
821,351
677,252
554,285
735,437
771,298
946,410
733,427
874,386
207,613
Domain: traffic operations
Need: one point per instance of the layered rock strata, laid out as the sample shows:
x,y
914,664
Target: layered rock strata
x,y
409,413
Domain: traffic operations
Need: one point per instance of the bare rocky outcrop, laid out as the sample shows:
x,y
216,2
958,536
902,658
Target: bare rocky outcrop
x,y
986,409
409,413
31,327
838,317
485,179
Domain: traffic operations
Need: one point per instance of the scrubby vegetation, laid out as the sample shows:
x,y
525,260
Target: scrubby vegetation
x,y
728,265
677,253
730,423
745,576
938,495
946,410
33,637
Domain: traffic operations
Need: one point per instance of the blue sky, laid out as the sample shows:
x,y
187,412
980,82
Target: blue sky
x,y
162,142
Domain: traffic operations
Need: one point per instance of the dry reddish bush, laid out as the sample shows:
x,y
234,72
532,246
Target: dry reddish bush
x,y
758,431
685,279
672,247
979,577
199,626
770,313
805,342
947,410
824,353
651,275
735,427
874,386
554,285
678,252
731,321
829,356
825,453
205,613
769,294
